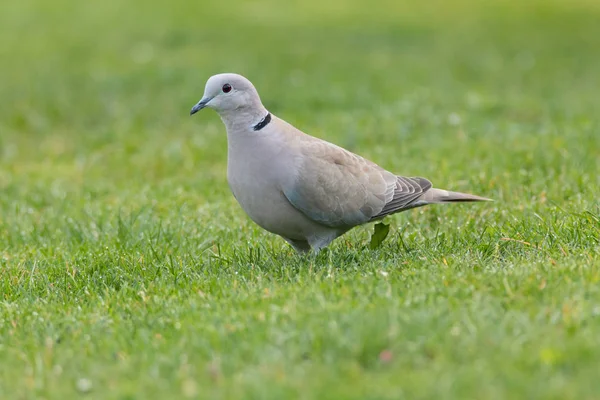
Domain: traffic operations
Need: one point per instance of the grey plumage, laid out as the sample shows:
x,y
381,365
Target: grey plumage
x,y
305,189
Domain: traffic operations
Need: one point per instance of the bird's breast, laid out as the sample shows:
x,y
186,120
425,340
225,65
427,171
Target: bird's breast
x,y
255,176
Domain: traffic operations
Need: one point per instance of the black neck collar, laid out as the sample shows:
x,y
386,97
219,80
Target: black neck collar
x,y
263,122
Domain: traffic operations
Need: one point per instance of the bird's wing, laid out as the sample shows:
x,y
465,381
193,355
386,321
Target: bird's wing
x,y
407,194
337,188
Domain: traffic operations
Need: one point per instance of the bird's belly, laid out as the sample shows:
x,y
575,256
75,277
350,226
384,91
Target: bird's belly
x,y
266,205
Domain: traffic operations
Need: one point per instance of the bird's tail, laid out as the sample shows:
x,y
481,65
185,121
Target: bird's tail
x,y
434,196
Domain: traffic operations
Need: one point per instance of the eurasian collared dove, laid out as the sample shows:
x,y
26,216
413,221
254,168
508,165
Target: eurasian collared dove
x,y
302,188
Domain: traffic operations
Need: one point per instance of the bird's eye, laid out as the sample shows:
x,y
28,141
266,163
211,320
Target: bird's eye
x,y
226,88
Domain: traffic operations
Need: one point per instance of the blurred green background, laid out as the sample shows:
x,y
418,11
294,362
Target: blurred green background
x,y
127,270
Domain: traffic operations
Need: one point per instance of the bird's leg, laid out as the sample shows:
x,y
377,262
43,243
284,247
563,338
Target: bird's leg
x,y
317,242
301,246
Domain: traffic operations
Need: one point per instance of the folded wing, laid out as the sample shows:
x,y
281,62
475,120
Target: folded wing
x,y
337,188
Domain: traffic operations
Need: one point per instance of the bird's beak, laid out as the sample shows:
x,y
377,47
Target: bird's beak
x,y
201,104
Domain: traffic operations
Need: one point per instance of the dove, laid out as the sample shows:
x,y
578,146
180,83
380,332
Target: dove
x,y
302,188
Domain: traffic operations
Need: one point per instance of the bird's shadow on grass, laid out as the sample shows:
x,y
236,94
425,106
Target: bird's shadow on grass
x,y
403,248
280,259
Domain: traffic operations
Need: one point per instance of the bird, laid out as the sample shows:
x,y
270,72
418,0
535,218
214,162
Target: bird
x,y
304,189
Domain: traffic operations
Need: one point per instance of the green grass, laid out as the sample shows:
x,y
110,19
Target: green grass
x,y
127,270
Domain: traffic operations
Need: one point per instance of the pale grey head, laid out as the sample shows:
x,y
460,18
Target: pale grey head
x,y
228,92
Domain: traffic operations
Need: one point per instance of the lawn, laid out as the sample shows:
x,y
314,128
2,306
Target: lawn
x,y
128,271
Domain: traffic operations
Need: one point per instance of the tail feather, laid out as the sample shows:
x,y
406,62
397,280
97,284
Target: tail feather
x,y
433,196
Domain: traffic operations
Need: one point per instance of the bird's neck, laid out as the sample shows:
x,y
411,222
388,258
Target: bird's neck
x,y
243,120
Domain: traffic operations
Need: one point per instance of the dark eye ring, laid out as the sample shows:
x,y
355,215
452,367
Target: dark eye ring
x,y
226,88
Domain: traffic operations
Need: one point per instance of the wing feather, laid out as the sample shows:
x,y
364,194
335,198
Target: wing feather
x,y
338,188
407,191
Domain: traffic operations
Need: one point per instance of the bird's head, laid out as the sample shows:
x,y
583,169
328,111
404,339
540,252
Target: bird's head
x,y
228,92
